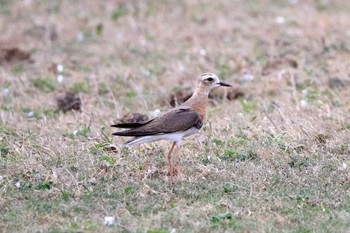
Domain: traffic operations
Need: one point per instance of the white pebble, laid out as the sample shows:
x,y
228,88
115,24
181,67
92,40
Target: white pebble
x,y
303,103
109,220
93,180
155,113
202,52
280,20
143,42
182,68
248,77
59,68
344,166
293,2
146,73
27,2
1,178
281,73
80,37
60,78
18,185
5,91
30,114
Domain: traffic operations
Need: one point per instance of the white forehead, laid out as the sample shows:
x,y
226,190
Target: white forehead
x,y
209,75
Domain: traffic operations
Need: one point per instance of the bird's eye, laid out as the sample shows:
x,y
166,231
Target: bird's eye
x,y
210,79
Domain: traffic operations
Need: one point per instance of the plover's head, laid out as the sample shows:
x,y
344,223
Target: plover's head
x,y
209,81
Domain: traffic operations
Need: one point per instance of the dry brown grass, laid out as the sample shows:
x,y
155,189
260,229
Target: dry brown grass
x,y
275,161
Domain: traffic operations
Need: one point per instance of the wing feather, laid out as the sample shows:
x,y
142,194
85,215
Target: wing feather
x,y
172,121
131,125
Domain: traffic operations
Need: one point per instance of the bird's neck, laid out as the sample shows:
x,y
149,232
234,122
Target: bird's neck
x,y
198,101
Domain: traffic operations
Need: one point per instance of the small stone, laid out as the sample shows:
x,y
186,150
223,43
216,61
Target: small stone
x,y
280,20
202,52
93,180
293,2
182,68
344,166
248,77
155,113
59,68
27,2
30,114
303,103
60,78
109,220
80,37
146,73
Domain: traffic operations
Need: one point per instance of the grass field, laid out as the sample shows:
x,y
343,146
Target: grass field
x,y
275,160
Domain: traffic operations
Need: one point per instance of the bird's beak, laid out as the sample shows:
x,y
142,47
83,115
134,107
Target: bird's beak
x,y
224,84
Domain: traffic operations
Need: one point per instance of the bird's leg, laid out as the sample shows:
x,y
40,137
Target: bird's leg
x,y
170,168
179,174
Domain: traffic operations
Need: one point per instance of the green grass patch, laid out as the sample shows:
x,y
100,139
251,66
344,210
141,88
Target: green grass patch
x,y
119,13
45,85
248,106
80,87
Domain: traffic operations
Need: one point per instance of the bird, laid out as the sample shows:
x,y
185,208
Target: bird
x,y
175,124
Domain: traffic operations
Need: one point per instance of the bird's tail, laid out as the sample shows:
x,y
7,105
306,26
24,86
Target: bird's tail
x,y
131,125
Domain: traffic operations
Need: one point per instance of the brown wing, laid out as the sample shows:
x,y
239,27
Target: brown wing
x,y
173,121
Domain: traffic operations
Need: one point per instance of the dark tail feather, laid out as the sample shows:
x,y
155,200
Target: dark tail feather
x,y
131,133
127,125
130,125
122,133
135,133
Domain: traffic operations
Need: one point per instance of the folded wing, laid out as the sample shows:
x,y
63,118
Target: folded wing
x,y
173,121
